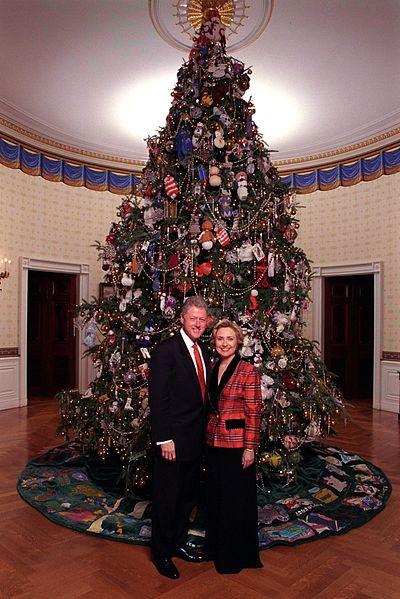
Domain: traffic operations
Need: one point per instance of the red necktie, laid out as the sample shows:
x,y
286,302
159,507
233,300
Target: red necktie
x,y
200,370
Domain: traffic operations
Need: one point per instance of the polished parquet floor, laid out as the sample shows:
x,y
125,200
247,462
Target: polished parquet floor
x,y
40,560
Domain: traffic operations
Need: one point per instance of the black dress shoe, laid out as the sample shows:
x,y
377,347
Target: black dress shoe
x,y
184,554
165,566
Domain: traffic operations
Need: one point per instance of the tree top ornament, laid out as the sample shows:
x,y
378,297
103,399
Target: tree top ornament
x,y
176,21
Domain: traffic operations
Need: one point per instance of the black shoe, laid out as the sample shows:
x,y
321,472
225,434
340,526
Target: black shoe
x,y
184,554
165,566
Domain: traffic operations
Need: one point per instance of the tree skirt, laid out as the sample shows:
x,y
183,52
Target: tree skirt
x,y
335,491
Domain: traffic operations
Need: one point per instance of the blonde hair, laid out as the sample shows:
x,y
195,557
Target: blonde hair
x,y
228,324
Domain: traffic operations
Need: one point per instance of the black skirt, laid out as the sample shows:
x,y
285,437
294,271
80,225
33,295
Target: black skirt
x,y
231,512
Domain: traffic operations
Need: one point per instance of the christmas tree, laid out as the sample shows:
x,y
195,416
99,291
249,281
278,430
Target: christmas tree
x,y
209,217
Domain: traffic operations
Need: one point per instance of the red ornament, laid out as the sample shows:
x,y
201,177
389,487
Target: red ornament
x,y
171,187
126,210
222,236
173,260
289,381
261,271
203,269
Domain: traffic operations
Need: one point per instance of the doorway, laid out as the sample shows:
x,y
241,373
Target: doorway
x,y
51,341
349,333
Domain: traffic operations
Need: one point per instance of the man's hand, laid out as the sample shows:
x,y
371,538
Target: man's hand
x,y
168,451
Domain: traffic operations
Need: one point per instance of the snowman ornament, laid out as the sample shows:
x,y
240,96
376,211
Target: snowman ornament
x,y
242,191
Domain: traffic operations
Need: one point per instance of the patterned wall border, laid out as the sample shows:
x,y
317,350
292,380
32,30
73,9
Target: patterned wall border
x,y
31,161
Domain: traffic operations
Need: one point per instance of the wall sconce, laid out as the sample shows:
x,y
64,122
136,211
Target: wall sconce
x,y
4,269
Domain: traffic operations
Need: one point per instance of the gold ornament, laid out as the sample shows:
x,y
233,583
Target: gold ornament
x,y
275,459
199,11
277,351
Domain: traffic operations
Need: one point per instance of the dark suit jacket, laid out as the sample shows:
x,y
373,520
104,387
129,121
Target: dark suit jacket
x,y
176,405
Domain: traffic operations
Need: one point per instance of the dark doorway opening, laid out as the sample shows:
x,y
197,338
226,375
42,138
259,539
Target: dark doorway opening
x,y
51,359
349,333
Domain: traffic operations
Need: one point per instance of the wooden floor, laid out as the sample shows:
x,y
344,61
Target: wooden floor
x,y
41,560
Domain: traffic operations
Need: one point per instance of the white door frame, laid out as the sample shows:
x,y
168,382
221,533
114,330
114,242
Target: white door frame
x,y
318,310
82,271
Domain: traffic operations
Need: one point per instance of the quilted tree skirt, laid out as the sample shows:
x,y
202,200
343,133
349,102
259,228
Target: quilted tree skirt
x,y
335,491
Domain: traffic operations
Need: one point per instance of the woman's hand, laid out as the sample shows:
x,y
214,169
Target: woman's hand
x,y
247,458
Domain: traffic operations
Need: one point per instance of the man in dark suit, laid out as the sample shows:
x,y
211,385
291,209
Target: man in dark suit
x,y
179,371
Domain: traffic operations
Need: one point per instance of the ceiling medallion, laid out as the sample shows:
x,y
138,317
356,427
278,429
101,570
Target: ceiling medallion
x,y
197,11
176,21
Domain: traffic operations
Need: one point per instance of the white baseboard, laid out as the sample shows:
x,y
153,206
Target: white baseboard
x,y
390,386
9,382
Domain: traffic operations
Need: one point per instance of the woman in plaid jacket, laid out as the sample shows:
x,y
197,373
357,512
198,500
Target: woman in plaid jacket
x,y
232,437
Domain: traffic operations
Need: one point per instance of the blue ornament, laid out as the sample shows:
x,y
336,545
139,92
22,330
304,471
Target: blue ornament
x,y
184,145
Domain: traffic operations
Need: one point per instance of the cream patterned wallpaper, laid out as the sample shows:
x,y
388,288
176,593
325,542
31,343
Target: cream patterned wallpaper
x,y
46,220
51,221
358,224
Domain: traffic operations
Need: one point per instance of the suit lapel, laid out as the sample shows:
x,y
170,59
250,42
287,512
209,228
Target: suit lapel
x,y
186,357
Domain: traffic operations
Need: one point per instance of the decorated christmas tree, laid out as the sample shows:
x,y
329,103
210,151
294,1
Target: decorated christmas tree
x,y
209,217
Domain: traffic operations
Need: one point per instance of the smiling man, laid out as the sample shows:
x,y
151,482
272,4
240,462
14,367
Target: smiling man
x,y
179,372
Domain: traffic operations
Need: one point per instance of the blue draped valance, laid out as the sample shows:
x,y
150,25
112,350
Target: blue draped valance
x,y
386,162
34,162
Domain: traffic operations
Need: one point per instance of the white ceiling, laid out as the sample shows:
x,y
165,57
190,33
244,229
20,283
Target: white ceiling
x,y
95,74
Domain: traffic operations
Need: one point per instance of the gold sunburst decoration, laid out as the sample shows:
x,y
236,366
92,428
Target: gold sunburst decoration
x,y
177,20
199,11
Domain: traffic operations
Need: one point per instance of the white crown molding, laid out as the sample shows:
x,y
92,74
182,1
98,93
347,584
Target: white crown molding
x,y
25,128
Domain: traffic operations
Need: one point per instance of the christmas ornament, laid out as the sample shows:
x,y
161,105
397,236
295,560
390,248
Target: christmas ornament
x,y
129,377
127,280
111,337
203,269
171,187
225,208
206,237
184,146
266,386
245,252
219,141
277,351
90,336
253,300
222,236
197,134
242,191
214,176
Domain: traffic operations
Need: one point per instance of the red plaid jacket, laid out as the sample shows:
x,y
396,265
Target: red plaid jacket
x,y
240,404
